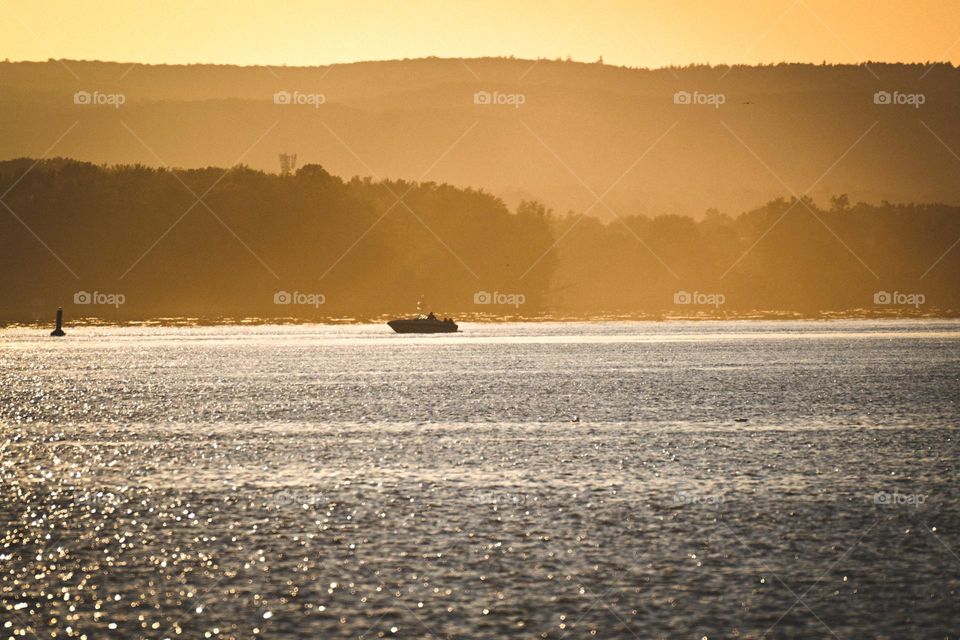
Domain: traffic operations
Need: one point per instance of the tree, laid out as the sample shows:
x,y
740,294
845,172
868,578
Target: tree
x,y
840,202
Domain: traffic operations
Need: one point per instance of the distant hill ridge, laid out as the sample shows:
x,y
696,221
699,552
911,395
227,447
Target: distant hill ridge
x,y
577,131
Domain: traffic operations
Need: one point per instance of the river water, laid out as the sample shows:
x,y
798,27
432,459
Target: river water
x,y
529,480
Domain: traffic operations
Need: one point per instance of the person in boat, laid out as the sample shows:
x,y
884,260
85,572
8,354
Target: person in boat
x,y
431,316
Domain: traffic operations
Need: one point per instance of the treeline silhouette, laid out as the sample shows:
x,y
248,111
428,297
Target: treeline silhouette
x,y
350,248
214,243
789,256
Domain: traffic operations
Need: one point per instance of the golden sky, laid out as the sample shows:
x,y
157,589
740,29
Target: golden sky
x,y
647,33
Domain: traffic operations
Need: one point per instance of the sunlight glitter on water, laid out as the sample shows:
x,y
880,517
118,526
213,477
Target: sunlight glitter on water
x,y
538,482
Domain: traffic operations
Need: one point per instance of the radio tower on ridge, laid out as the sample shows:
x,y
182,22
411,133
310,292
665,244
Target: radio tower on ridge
x,y
288,163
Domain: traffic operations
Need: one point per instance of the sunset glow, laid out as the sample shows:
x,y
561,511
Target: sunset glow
x,y
626,33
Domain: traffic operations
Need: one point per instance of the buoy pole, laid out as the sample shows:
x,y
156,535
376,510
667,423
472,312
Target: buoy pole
x,y
59,330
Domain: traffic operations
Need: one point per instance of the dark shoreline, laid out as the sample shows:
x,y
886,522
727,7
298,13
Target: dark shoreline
x,y
188,321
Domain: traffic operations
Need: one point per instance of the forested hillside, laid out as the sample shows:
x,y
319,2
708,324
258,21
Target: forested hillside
x,y
134,242
556,131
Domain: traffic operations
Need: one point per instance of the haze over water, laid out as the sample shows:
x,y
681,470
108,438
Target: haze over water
x,y
558,480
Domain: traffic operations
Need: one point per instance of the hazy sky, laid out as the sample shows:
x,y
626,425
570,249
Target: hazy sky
x,y
635,33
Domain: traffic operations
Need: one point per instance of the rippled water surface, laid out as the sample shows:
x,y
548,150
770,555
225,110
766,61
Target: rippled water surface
x,y
543,480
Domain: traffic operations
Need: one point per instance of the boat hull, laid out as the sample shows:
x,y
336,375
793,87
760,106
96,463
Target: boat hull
x,y
422,326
